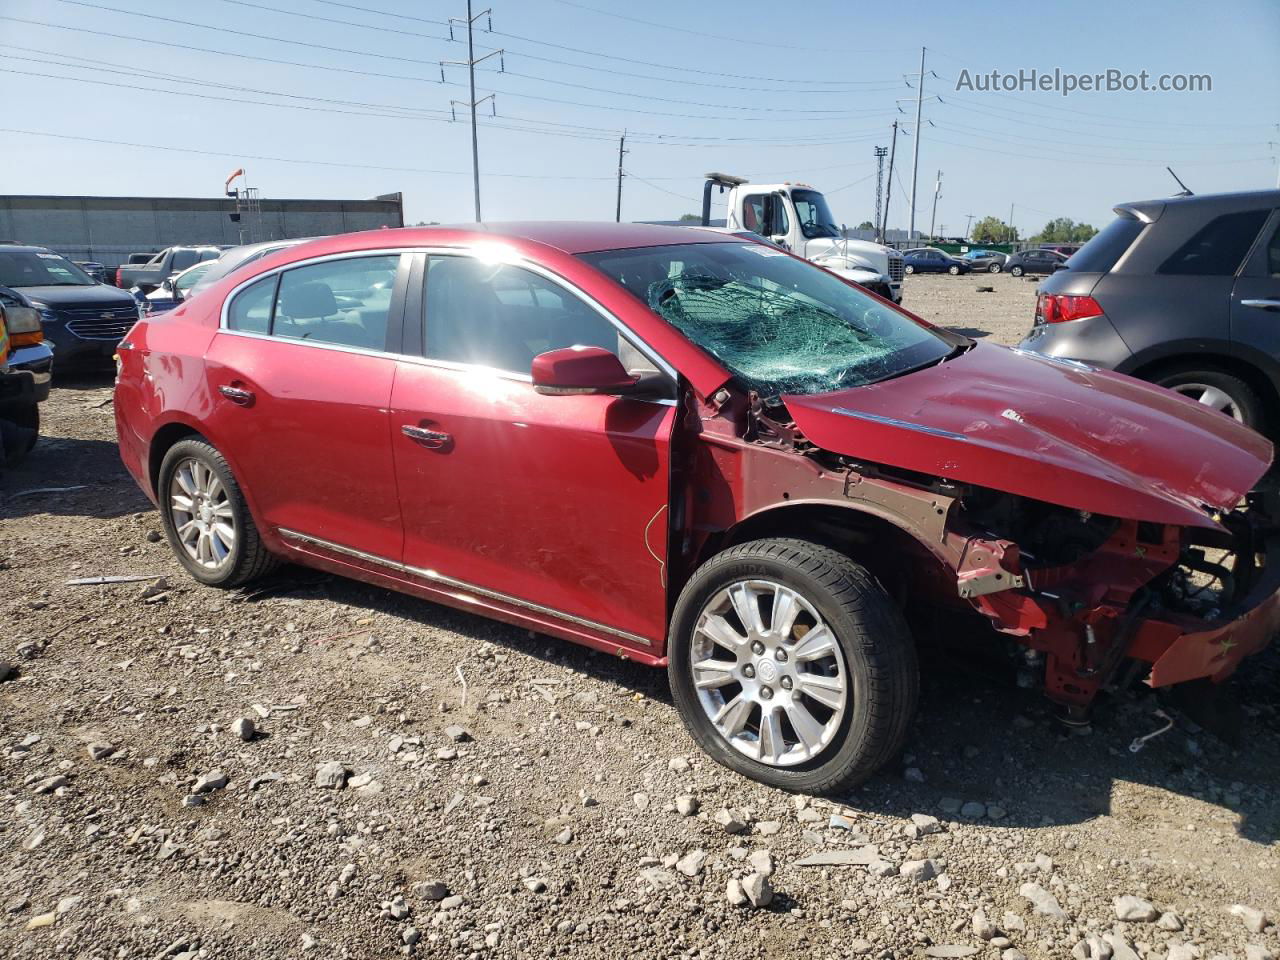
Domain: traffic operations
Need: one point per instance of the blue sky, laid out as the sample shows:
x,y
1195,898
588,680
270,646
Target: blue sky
x,y
761,89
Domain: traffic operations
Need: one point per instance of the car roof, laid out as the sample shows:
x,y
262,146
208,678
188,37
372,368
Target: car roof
x,y
581,236
1149,210
26,248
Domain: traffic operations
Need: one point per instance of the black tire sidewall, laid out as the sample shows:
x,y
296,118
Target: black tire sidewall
x,y
208,455
851,747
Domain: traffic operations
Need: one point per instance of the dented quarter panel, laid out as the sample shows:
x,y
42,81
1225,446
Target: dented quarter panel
x,y
1080,438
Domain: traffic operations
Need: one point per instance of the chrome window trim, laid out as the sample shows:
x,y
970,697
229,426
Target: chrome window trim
x,y
468,251
440,578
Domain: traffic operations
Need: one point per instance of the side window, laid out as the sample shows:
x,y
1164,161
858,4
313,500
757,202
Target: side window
x,y
783,225
1273,254
1218,248
753,214
210,254
250,311
183,259
502,316
344,301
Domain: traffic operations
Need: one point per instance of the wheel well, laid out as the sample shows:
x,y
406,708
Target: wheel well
x,y
1257,381
891,554
165,438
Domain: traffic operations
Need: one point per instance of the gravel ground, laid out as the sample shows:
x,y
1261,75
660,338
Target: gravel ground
x,y
317,767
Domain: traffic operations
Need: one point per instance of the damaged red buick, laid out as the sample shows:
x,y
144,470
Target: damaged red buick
x,y
704,454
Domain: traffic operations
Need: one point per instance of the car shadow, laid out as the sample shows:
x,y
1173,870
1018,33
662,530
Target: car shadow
x,y
68,476
977,737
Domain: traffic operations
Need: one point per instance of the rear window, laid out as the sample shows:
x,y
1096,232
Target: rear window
x,y
1219,248
1102,252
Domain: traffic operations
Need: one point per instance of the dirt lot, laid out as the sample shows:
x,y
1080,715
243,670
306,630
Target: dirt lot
x,y
570,815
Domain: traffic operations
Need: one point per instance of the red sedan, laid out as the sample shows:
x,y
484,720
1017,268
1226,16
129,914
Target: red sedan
x,y
702,453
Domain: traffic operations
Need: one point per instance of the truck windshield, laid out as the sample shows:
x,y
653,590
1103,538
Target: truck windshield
x,y
814,214
778,323
29,268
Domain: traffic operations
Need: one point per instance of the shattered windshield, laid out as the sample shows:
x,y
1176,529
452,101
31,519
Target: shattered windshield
x,y
780,324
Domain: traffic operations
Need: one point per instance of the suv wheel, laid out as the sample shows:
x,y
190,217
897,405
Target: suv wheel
x,y
206,518
1216,389
790,664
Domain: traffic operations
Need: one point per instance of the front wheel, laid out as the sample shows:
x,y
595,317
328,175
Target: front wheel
x,y
789,664
953,270
994,268
1016,271
908,269
206,518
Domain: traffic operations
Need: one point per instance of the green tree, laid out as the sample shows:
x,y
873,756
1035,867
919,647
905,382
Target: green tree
x,y
992,230
690,218
1065,230
866,225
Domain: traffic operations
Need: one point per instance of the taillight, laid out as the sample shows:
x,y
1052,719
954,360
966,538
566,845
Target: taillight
x,y
1061,307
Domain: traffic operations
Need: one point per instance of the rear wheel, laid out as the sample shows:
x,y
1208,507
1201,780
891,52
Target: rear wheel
x,y
953,270
790,665
994,268
206,518
1216,389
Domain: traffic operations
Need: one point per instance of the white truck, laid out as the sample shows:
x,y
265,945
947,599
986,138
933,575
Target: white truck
x,y
796,217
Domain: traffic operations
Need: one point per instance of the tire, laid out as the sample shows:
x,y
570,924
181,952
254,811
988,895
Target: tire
x,y
872,661
1217,389
994,268
908,269
246,558
953,270
1016,271
20,439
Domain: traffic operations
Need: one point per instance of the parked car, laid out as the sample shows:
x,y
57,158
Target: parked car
x,y
702,454
991,261
930,260
237,258
1034,261
1183,292
1066,249
94,269
26,365
163,265
84,320
173,290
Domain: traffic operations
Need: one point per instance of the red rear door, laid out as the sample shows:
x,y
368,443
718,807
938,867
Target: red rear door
x,y
300,381
555,504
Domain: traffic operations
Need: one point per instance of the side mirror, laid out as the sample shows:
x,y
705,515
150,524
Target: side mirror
x,y
167,284
580,370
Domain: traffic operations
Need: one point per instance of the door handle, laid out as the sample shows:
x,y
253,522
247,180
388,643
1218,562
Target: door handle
x,y
431,439
236,395
1261,304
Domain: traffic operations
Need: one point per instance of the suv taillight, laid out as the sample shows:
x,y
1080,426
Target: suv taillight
x,y
1060,307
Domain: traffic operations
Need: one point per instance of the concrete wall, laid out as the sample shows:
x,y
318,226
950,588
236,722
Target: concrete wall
x,y
108,229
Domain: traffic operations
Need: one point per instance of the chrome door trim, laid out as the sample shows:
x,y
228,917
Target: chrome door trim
x,y
444,580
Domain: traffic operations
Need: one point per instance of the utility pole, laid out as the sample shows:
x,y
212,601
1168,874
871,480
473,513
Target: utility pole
x,y
937,192
968,226
915,161
881,152
622,143
1012,232
470,64
888,193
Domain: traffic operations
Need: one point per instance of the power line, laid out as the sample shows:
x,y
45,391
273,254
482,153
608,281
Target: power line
x,y
472,103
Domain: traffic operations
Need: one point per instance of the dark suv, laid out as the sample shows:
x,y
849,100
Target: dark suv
x,y
83,319
1184,292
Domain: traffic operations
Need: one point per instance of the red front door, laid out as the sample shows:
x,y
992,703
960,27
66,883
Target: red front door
x,y
555,504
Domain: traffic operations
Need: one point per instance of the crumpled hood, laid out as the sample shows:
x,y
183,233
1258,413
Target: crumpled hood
x,y
1048,430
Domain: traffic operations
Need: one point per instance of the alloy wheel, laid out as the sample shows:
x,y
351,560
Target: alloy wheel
x,y
202,515
769,673
1213,397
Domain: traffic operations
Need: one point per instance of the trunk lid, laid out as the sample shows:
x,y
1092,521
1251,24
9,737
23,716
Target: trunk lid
x,y
1048,430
